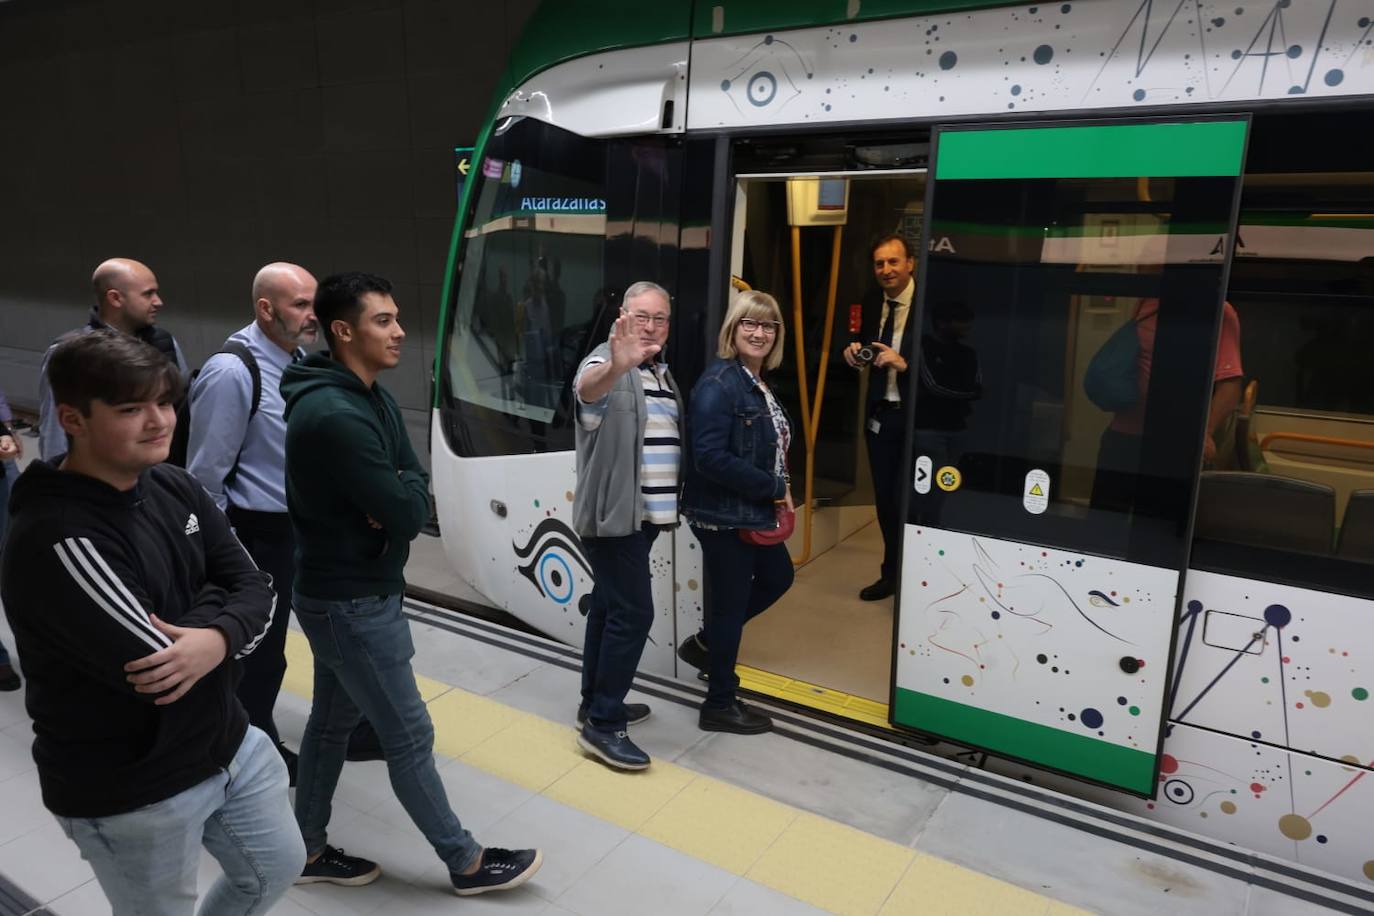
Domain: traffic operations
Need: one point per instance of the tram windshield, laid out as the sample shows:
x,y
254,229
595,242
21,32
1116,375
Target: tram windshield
x,y
531,274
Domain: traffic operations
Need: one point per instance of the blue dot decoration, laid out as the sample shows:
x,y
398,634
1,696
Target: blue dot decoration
x,y
1043,54
1091,718
948,60
1277,615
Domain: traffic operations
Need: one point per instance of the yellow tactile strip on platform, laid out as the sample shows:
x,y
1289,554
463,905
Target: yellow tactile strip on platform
x,y
822,862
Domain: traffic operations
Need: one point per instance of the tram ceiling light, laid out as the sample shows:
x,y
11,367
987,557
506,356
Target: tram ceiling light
x,y
892,155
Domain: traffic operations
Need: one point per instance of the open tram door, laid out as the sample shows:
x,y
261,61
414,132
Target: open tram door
x,y
1082,269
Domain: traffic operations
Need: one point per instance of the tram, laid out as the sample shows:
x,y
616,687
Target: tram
x,y
1184,634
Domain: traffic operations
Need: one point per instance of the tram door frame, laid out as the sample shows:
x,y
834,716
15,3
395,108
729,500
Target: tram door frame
x,y
962,552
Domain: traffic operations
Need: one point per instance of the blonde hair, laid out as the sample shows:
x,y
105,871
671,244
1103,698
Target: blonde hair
x,y
752,304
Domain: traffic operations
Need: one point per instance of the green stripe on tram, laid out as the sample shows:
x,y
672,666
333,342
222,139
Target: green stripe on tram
x,y
1079,755
1174,150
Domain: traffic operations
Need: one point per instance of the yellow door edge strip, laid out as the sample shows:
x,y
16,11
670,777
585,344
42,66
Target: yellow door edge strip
x,y
825,699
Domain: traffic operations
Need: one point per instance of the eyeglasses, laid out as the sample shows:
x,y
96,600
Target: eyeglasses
x,y
751,325
658,321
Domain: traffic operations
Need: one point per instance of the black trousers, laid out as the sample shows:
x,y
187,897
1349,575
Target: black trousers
x,y
885,465
742,581
269,540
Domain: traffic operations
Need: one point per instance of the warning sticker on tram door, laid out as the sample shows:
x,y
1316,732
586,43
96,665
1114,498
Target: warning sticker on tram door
x,y
1036,496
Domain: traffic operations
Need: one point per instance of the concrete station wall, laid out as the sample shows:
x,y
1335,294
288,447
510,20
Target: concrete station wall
x,y
208,137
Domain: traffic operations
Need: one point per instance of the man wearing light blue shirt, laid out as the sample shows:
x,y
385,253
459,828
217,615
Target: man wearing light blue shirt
x,y
239,456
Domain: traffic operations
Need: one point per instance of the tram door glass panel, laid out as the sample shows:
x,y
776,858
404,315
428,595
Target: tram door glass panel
x,y
1070,293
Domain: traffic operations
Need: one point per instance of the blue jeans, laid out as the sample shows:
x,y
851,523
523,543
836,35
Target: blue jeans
x,y
742,581
622,610
146,860
362,653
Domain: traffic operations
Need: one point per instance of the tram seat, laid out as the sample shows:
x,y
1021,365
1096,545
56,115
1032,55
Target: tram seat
x,y
1264,510
1356,540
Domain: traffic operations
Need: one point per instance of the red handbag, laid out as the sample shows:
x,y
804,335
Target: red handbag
x,y
764,537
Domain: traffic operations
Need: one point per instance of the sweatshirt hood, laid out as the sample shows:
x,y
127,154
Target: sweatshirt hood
x,y
318,370
42,483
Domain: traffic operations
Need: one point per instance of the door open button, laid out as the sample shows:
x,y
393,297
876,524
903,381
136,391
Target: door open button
x,y
921,480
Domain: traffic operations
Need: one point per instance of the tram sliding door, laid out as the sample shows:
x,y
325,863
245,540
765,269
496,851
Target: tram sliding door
x,y
1070,293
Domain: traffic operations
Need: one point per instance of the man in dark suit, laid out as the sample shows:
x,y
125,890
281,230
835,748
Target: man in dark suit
x,y
885,329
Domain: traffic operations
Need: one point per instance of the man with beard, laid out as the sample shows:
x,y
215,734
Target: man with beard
x,y
127,299
237,450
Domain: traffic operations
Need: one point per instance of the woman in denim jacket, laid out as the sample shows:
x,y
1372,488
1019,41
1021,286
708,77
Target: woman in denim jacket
x,y
736,477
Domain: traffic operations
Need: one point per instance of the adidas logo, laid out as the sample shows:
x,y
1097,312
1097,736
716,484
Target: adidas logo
x,y
192,525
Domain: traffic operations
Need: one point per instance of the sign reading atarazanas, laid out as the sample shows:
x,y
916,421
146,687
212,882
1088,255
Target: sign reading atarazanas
x,y
563,204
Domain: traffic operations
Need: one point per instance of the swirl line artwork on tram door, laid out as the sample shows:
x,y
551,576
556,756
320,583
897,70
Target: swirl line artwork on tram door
x,y
1064,647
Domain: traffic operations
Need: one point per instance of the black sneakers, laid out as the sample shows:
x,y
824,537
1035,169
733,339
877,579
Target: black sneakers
x,y
501,870
693,651
635,713
333,867
612,748
738,719
9,680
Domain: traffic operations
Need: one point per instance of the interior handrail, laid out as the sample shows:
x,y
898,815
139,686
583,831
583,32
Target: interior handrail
x,y
811,413
1320,440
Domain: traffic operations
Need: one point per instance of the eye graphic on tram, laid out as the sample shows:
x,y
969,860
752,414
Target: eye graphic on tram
x,y
765,76
555,565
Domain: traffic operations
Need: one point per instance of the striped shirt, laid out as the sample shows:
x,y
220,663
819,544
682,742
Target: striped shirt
x,y
661,456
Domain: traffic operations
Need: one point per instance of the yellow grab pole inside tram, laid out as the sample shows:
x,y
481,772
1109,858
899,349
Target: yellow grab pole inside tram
x,y
811,413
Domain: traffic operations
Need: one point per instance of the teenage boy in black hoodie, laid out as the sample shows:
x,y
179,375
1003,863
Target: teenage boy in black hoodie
x,y
128,595
358,496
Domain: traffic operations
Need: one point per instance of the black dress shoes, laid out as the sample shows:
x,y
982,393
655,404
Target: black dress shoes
x,y
738,719
693,651
883,588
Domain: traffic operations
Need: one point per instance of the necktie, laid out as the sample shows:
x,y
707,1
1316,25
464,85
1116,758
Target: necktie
x,y
885,338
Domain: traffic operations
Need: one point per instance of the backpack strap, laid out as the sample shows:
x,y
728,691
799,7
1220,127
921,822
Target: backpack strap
x,y
245,355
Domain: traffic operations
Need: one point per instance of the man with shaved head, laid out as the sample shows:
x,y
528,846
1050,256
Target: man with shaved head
x,y
237,450
126,299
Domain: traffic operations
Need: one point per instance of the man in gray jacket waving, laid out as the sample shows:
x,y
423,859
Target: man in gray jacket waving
x,y
628,454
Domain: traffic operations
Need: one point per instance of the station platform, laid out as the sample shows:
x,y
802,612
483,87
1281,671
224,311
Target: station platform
x,y
811,818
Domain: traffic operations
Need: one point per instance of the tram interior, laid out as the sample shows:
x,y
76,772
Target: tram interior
x,y
1289,492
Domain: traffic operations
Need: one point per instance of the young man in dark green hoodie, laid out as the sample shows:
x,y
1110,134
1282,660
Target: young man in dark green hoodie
x,y
358,496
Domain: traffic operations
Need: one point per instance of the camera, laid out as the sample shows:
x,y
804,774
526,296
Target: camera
x,y
865,356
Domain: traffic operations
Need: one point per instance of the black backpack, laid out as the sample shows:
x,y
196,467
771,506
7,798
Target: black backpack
x,y
181,438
